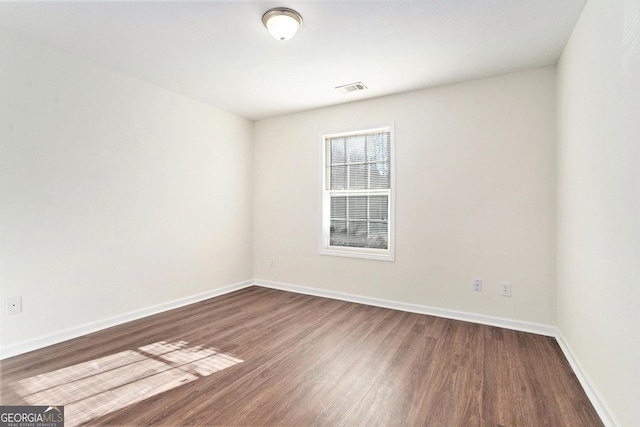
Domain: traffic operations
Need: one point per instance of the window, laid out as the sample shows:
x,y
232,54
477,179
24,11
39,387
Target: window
x,y
357,194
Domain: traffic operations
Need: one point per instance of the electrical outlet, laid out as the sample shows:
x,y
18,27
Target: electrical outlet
x,y
477,285
505,289
14,305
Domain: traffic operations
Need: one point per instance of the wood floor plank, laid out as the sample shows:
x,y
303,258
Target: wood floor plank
x,y
265,357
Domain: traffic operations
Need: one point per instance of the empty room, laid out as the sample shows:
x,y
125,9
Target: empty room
x,y
259,213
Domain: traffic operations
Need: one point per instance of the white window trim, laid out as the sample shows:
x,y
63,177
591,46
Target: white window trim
x,y
325,213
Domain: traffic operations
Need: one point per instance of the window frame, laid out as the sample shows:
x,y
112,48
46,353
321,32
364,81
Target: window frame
x,y
325,247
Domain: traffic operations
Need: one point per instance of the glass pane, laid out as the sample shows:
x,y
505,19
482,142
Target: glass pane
x,y
339,207
357,177
378,180
338,154
378,235
378,147
379,208
358,207
357,234
379,175
338,177
338,233
356,148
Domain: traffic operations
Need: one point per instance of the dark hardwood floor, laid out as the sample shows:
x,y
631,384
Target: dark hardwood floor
x,y
266,357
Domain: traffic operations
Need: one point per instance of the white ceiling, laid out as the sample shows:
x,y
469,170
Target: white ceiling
x,y
218,51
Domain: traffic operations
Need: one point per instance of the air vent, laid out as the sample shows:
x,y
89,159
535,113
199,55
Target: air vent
x,y
352,87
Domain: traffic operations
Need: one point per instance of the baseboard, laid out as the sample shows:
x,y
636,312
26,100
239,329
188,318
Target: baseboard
x,y
58,337
517,325
601,407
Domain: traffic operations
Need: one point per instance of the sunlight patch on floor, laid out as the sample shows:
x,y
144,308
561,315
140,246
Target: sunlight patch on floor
x,y
97,387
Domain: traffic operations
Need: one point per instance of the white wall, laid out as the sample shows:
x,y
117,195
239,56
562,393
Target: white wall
x,y
475,198
598,201
115,195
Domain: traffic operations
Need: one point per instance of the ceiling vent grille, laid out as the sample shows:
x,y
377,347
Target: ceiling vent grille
x,y
352,87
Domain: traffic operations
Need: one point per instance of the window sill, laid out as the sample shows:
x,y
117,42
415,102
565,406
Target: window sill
x,y
364,254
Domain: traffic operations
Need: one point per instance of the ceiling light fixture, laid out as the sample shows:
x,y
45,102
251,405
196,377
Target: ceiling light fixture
x,y
282,23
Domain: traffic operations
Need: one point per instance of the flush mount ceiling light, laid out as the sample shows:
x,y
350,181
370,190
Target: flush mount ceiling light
x,y
282,23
